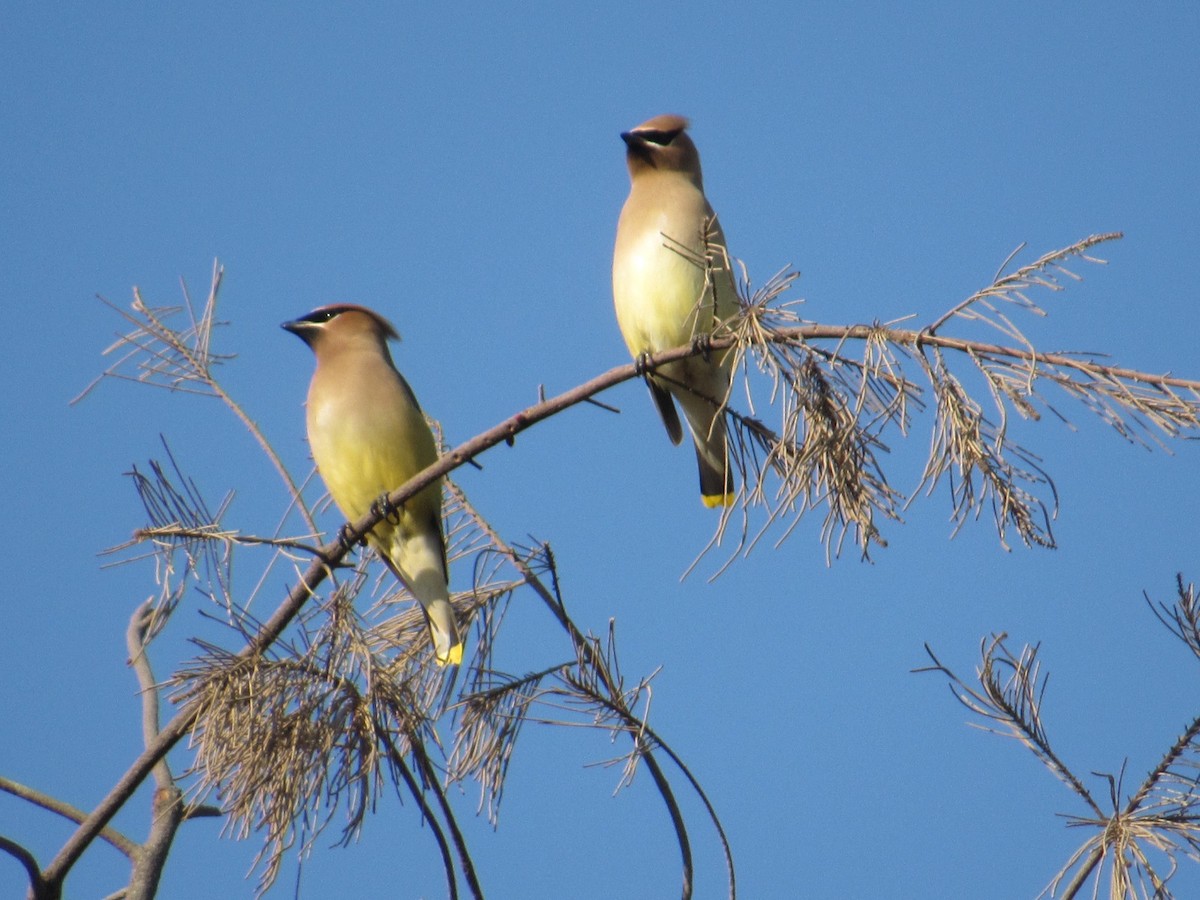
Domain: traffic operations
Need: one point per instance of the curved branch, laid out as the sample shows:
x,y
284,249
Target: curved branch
x,y
418,795
183,721
504,432
429,774
67,811
167,805
135,645
709,808
681,835
329,556
37,886
588,654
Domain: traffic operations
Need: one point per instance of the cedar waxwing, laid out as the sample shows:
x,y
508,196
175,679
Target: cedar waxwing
x,y
368,436
667,295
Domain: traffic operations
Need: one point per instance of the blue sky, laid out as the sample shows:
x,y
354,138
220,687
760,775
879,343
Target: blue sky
x,y
460,170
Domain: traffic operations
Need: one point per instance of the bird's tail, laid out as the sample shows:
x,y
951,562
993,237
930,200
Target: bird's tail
x,y
443,629
712,459
419,563
708,382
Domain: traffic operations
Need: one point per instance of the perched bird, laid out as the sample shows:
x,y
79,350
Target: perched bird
x,y
672,285
368,436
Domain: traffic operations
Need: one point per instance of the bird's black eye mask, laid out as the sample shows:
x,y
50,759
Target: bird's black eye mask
x,y
662,138
320,316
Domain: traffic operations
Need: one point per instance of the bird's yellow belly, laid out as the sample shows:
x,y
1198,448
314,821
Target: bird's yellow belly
x,y
358,468
657,293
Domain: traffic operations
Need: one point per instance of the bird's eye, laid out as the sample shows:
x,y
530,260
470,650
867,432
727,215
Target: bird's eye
x,y
320,316
662,138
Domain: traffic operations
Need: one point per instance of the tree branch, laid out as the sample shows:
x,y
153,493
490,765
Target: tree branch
x,y
429,775
504,432
439,835
587,654
67,811
167,811
37,886
331,554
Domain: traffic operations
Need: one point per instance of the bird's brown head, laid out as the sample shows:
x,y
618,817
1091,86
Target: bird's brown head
x,y
340,324
662,144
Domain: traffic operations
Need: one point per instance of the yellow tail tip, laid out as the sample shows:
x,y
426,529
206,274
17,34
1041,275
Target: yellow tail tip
x,y
453,656
712,501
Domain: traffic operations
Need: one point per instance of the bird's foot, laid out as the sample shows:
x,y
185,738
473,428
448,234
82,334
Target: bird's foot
x,y
386,510
345,538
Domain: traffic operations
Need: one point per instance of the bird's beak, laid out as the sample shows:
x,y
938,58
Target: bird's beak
x,y
636,146
300,328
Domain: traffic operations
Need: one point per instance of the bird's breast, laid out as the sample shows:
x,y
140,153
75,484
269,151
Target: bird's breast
x,y
363,451
658,281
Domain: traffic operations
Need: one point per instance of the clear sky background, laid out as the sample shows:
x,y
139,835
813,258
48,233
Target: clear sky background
x,y
458,167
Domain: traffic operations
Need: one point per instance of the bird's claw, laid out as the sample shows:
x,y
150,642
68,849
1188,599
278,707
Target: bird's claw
x,y
344,539
386,510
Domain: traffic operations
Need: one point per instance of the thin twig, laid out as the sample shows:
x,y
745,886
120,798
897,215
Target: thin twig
x,y
67,811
